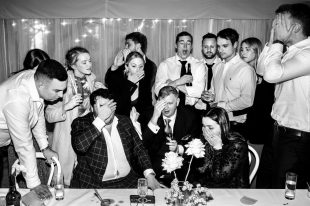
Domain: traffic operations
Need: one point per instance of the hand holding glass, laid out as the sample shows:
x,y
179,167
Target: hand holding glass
x,y
142,189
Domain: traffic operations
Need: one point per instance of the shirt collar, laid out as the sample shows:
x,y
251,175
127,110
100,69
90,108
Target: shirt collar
x,y
31,86
216,60
179,59
300,45
234,60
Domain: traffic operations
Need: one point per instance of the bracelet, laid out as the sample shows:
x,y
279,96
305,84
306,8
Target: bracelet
x,y
46,148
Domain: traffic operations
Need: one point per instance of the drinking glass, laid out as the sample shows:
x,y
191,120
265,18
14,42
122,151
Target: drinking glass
x,y
290,185
142,189
59,192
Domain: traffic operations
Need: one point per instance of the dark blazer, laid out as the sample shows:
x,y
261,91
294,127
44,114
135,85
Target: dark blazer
x,y
91,149
122,89
186,123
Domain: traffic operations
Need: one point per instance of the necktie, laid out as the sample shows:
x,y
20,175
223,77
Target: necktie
x,y
210,75
183,68
168,130
183,72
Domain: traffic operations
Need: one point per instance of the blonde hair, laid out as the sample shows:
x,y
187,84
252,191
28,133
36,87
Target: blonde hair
x,y
256,45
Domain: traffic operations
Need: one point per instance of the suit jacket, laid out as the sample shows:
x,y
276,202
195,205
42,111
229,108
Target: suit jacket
x,y
91,149
122,89
186,123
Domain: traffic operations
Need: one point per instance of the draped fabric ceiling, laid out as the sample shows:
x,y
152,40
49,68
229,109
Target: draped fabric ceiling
x,y
101,25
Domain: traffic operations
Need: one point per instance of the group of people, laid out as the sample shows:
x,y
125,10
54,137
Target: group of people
x,y
108,135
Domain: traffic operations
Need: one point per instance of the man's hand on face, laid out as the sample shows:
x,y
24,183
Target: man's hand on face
x,y
105,110
158,108
135,78
120,58
43,192
283,28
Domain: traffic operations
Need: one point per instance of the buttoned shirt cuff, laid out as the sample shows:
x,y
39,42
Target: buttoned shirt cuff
x,y
153,128
147,172
32,182
43,143
180,149
99,124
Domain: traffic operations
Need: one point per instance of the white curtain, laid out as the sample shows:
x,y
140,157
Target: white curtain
x,y
105,37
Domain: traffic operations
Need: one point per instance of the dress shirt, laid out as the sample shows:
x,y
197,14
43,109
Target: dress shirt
x,y
234,84
155,128
21,116
118,165
171,69
292,91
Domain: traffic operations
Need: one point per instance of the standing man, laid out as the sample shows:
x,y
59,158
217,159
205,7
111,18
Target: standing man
x,y
234,81
174,71
135,41
210,58
291,109
22,115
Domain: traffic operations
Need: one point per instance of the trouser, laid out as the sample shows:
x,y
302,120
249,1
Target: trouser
x,y
291,152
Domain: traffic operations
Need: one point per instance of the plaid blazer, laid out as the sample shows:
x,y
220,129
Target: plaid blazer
x,y
92,156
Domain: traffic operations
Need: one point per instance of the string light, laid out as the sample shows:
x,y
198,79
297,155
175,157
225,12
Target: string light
x,y
77,40
156,20
91,21
64,23
170,21
103,20
84,35
90,31
129,20
13,24
184,20
119,19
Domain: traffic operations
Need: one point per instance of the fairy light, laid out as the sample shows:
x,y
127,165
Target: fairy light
x,y
103,20
23,20
119,19
156,20
90,31
77,40
64,23
36,22
84,35
129,20
91,21
13,24
170,21
47,32
184,20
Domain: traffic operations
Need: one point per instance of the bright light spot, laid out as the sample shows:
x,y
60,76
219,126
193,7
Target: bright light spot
x,y
23,20
84,35
103,20
170,21
184,20
77,40
31,30
64,23
111,19
156,20
36,22
90,31
91,21
118,19
47,32
13,24
129,20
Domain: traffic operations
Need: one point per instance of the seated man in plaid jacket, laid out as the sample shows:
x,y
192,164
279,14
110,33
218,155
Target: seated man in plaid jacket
x,y
108,148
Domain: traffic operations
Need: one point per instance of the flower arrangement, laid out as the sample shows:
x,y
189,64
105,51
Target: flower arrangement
x,y
185,194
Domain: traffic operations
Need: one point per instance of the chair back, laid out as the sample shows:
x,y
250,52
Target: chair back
x,y
39,155
252,152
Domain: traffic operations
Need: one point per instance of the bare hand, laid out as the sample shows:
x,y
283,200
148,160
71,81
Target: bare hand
x,y
173,145
152,182
134,115
136,77
105,110
48,154
283,29
120,58
214,140
43,192
99,85
158,108
75,101
185,79
208,96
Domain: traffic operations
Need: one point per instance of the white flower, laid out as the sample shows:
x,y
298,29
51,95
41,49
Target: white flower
x,y
196,148
172,161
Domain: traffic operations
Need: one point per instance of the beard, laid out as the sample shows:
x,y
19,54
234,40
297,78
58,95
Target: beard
x,y
209,56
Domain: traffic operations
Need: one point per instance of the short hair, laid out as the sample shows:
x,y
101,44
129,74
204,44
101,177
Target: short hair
x,y
183,33
51,69
255,44
299,12
34,57
208,36
166,91
138,37
229,34
133,55
104,93
220,116
73,54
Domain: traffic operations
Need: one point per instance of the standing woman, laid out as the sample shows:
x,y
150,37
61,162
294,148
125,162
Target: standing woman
x,y
259,122
81,82
129,87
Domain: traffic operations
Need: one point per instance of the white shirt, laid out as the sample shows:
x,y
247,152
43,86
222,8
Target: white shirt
x,y
291,73
234,85
117,165
21,116
171,69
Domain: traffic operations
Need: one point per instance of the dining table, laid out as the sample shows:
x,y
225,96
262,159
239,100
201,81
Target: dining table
x,y
221,197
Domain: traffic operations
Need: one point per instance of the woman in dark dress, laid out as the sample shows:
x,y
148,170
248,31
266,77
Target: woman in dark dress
x,y
226,163
129,87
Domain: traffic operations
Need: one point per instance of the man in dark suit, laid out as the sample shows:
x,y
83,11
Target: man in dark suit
x,y
134,41
169,129
107,146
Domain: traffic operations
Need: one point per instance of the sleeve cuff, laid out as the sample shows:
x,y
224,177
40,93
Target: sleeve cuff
x,y
153,128
33,181
147,172
43,143
180,149
98,123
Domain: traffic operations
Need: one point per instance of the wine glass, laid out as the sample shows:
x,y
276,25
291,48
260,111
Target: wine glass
x,y
142,189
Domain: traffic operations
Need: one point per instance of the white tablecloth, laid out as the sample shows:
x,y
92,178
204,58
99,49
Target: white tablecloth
x,y
222,197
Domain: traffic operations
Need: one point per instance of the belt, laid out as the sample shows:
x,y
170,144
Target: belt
x,y
294,132
241,112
